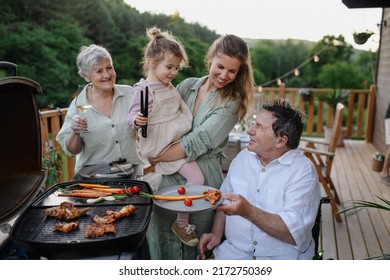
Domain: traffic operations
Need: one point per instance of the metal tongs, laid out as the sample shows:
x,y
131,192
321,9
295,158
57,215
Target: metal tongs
x,y
144,110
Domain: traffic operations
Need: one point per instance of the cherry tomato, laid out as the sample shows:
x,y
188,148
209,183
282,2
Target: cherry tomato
x,y
188,202
181,190
135,189
129,190
122,191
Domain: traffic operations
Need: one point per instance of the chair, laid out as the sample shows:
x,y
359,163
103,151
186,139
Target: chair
x,y
323,158
315,232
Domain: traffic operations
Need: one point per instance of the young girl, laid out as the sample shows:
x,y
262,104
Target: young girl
x,y
168,118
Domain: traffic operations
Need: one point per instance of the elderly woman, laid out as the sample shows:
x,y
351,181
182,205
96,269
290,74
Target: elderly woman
x,y
101,133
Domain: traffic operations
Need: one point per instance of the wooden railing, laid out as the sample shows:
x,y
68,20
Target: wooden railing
x,y
358,118
51,122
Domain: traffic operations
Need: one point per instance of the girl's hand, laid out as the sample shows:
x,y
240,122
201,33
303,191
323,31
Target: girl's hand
x,y
140,120
153,161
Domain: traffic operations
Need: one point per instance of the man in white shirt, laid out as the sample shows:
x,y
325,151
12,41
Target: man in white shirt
x,y
271,194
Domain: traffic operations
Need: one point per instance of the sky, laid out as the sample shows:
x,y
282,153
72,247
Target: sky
x,y
274,19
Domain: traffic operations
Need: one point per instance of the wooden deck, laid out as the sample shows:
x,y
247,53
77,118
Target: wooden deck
x,y
366,234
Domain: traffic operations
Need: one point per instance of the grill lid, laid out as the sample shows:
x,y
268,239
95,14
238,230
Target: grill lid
x,y
21,174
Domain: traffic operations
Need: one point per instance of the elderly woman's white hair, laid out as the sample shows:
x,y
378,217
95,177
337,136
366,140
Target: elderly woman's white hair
x,y
89,57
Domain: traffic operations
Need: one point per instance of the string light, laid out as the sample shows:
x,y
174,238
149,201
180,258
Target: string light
x,y
296,70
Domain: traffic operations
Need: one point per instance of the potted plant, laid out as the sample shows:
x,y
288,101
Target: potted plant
x,y
377,161
362,37
332,99
305,93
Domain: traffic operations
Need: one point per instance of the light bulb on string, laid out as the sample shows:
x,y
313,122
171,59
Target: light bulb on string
x,y
296,70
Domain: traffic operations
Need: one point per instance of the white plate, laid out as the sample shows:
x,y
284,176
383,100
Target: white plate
x,y
198,205
104,171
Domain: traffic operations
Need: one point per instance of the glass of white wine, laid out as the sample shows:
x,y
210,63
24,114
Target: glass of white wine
x,y
82,107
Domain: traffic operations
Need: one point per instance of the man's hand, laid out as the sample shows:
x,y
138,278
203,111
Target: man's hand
x,y
238,205
206,243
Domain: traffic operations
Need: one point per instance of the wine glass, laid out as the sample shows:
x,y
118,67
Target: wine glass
x,y
83,107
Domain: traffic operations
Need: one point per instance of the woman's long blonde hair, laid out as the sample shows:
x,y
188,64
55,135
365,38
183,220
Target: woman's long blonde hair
x,y
241,88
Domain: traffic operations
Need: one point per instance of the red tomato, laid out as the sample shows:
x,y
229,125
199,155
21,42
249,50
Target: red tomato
x,y
135,190
188,202
181,190
122,191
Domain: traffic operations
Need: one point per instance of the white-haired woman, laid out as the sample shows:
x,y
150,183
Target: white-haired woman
x,y
101,134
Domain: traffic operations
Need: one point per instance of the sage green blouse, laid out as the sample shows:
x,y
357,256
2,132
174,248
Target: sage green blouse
x,y
205,144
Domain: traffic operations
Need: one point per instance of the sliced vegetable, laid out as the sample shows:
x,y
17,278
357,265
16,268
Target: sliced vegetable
x,y
171,197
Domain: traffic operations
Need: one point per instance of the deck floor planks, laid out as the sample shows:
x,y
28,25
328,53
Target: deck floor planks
x,y
365,234
347,226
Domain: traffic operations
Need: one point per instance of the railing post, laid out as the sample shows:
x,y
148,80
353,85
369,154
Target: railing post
x,y
370,113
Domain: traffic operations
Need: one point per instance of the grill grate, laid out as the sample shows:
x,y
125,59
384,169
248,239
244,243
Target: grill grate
x,y
35,227
34,231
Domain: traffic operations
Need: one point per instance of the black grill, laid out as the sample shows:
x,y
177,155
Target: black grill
x,y
34,231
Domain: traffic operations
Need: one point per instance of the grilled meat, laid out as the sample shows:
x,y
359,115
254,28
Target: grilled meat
x,y
112,216
65,210
66,227
212,196
103,220
97,230
123,212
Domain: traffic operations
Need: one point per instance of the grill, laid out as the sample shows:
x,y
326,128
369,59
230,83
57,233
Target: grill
x,y
22,177
34,232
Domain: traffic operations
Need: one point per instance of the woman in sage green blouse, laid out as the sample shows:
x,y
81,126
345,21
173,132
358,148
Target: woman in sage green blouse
x,y
217,101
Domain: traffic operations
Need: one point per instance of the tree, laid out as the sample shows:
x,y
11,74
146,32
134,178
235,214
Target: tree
x,y
330,49
340,75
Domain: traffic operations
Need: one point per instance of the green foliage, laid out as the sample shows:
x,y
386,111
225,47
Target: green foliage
x,y
52,162
378,156
334,97
358,205
340,75
43,38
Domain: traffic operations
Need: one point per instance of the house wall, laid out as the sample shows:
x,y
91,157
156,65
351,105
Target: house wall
x,y
383,82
